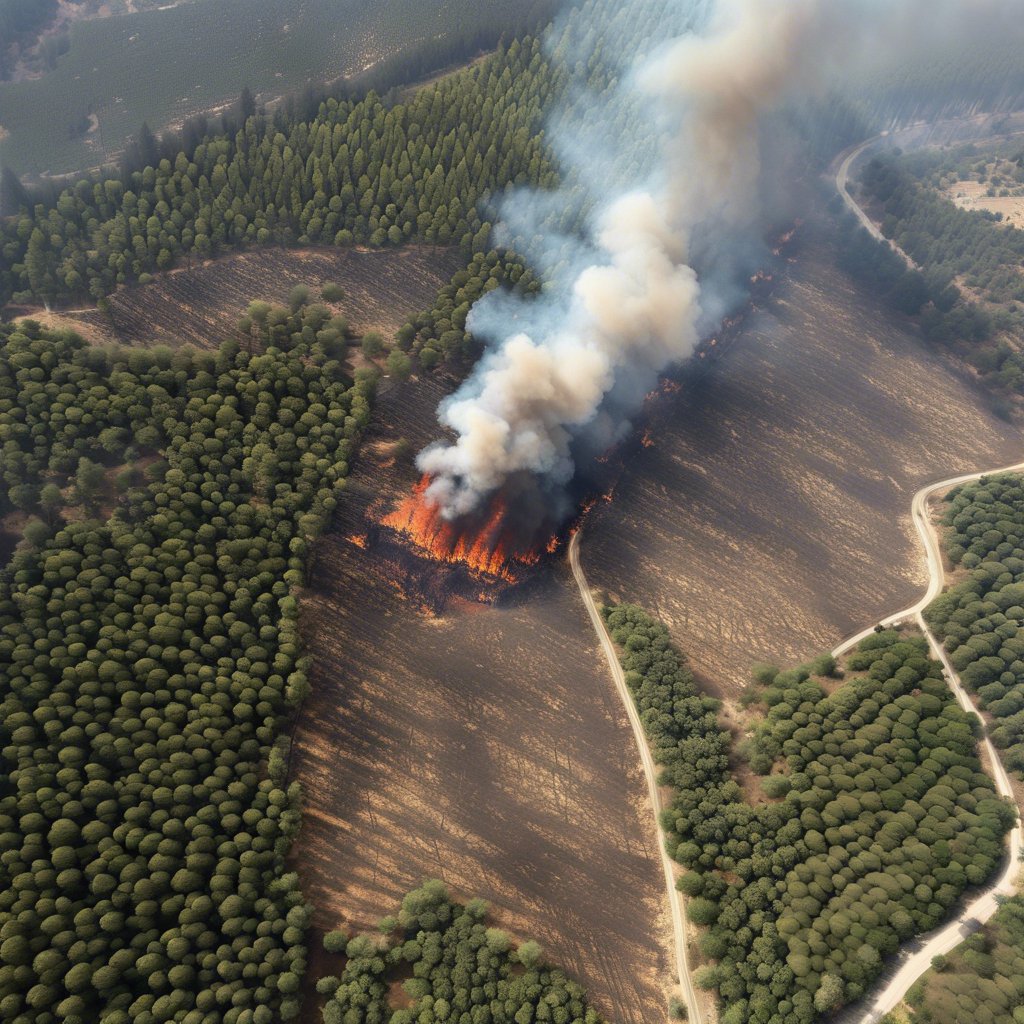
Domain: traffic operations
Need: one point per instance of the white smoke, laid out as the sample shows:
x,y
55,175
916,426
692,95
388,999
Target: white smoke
x,y
633,303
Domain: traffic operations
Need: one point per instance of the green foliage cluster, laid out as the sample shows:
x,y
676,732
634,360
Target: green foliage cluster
x,y
999,165
359,172
147,664
952,243
64,404
982,980
980,620
461,971
929,228
887,819
439,333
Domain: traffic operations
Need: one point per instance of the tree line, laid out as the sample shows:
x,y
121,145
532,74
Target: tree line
x,y
450,966
980,620
149,660
877,816
360,172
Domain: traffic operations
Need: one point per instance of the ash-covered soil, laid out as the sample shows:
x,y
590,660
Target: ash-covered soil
x,y
485,746
771,516
768,518
202,304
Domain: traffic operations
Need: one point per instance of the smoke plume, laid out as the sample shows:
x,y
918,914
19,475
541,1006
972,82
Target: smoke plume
x,y
662,174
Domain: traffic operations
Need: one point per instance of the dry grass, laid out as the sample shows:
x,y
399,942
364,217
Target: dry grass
x,y
771,517
971,195
202,304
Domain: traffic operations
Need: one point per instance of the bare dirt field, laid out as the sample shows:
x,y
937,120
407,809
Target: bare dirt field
x,y
765,516
486,747
972,195
770,518
201,305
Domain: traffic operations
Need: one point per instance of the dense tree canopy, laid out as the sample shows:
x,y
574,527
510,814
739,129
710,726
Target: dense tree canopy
x,y
981,619
982,980
147,663
885,818
456,968
359,172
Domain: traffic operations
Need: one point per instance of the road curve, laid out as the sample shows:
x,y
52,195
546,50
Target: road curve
x,y
675,899
842,185
916,956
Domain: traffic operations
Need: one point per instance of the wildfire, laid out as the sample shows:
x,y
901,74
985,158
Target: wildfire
x,y
485,548
666,387
360,540
761,275
647,441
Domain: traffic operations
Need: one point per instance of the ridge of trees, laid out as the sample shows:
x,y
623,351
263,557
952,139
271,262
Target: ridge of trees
x,y
980,619
950,242
358,173
148,666
879,816
458,969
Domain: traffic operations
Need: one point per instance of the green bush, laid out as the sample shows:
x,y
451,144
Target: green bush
x,y
147,665
462,970
887,818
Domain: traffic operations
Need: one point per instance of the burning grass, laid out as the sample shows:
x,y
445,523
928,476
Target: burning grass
x,y
485,544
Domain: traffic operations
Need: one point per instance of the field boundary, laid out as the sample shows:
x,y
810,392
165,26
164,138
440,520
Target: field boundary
x,y
675,898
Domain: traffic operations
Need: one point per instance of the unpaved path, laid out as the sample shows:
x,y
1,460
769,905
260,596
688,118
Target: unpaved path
x,y
915,957
842,184
675,899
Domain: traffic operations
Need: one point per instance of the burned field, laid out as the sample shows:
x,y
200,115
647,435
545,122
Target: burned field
x,y
464,728
483,745
768,514
202,304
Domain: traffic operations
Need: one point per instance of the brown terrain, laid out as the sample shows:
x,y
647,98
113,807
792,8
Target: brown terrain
x,y
484,746
770,518
201,305
766,515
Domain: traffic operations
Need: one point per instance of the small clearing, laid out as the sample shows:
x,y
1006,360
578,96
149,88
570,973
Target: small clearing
x,y
202,304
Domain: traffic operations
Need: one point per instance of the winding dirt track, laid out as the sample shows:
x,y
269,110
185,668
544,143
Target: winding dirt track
x,y
915,957
675,898
842,184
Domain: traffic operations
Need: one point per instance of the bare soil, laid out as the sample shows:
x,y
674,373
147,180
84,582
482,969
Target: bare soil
x,y
972,195
770,518
202,304
486,746
766,517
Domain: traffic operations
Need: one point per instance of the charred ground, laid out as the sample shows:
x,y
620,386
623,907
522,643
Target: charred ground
x,y
202,304
769,514
764,513
483,746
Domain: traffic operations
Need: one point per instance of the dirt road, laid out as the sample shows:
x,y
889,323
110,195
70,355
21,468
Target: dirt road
x,y
675,899
915,957
842,184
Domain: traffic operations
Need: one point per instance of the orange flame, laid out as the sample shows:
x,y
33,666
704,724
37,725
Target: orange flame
x,y
360,540
485,551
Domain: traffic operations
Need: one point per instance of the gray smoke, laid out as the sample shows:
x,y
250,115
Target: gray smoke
x,y
668,159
